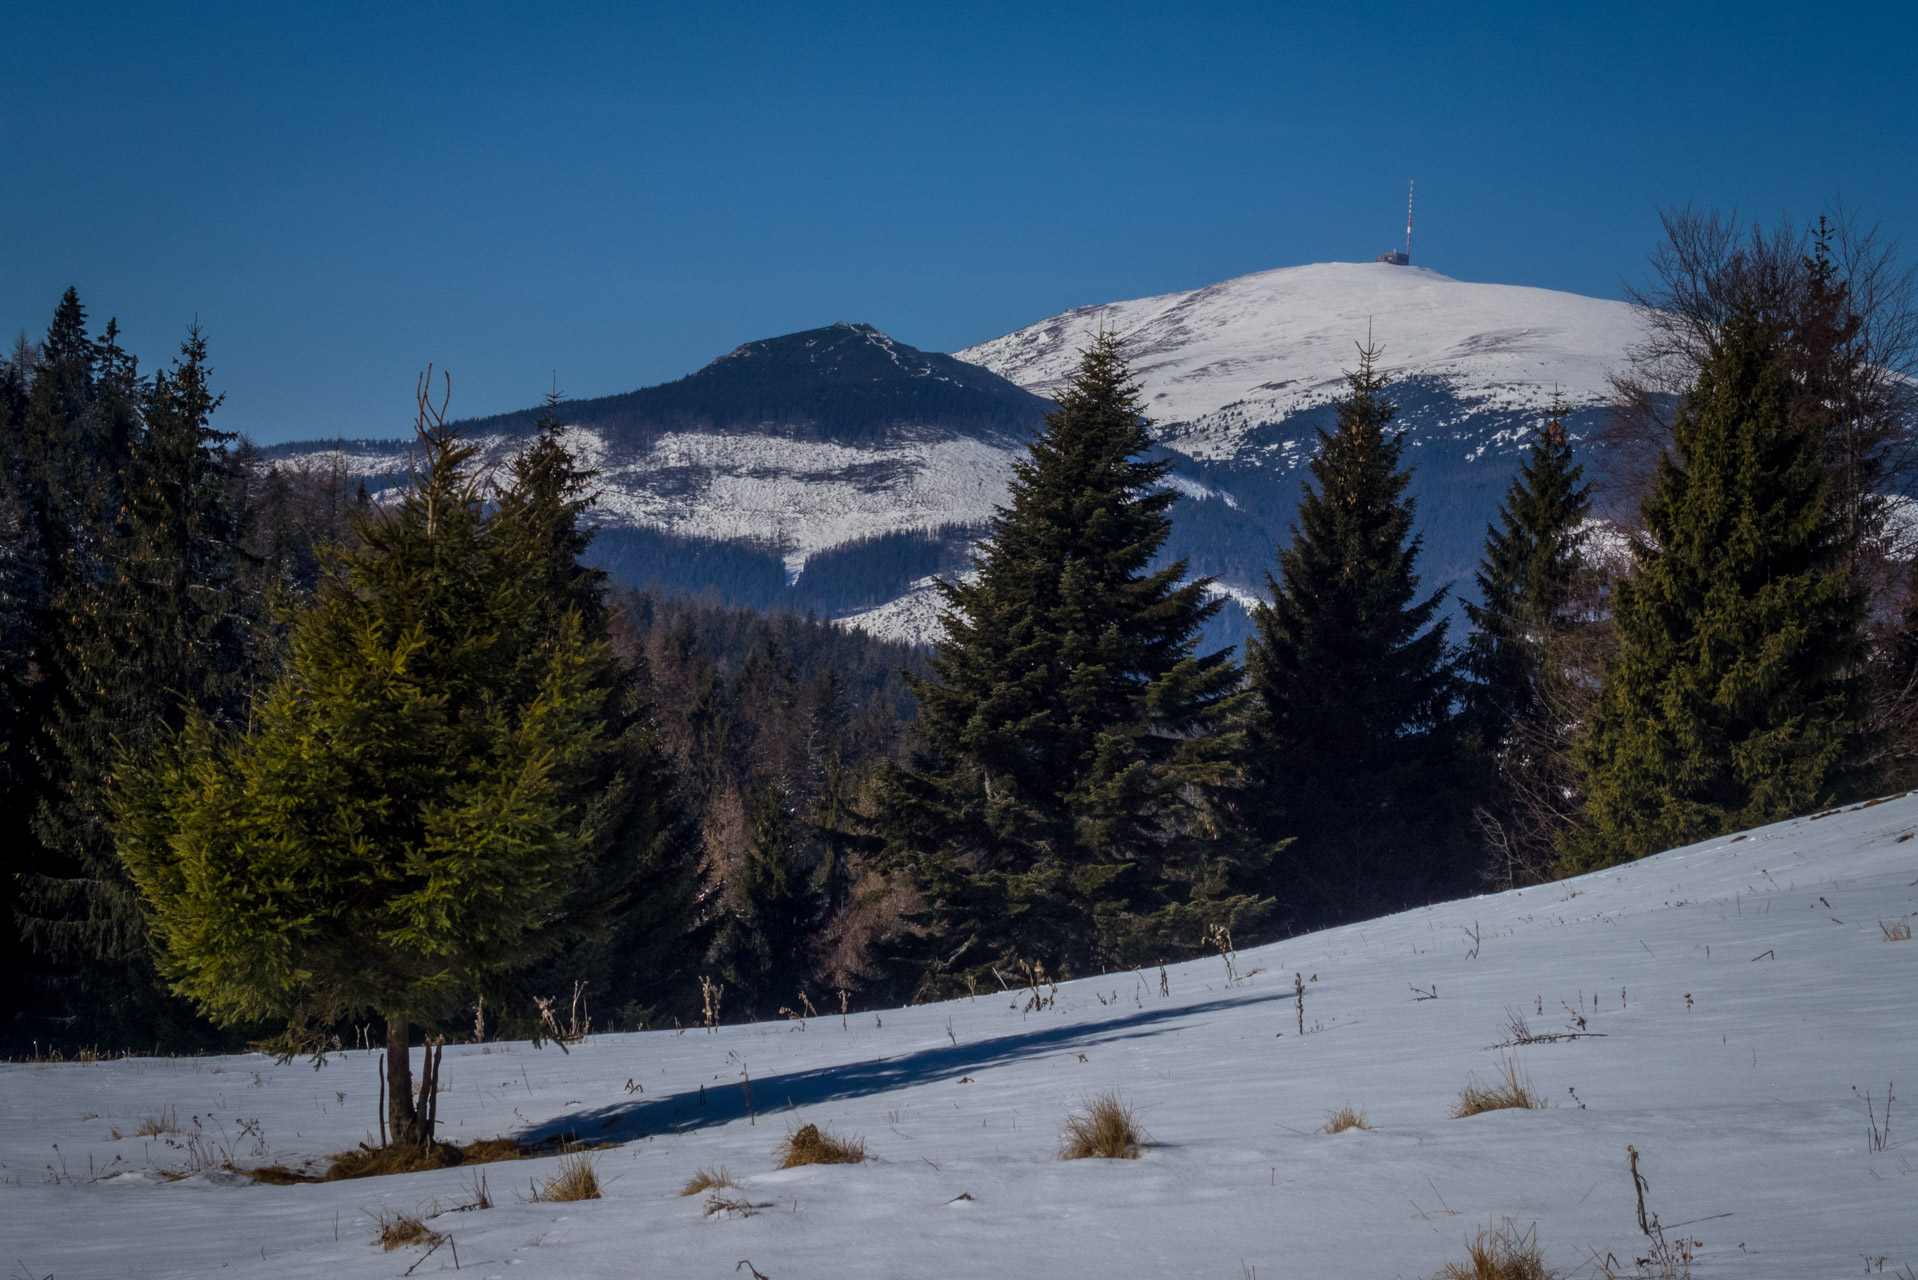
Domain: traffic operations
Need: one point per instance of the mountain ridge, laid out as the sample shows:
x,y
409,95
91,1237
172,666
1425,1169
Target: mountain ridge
x,y
838,469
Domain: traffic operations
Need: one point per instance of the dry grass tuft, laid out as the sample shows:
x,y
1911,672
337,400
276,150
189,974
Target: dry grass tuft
x,y
1510,1088
398,1157
713,1175
576,1180
158,1126
1106,1130
1345,1118
403,1230
276,1175
810,1145
1895,930
376,1162
1501,1253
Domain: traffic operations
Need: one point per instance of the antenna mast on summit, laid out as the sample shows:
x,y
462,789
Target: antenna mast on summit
x,y
1408,218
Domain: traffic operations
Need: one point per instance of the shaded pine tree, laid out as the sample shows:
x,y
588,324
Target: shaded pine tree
x,y
1528,659
74,457
771,910
832,785
1737,696
1354,744
1527,584
20,574
1069,802
158,632
629,946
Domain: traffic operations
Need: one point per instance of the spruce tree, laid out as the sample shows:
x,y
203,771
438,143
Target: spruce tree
x,y
157,632
70,458
1069,802
1530,657
627,945
1354,744
770,910
1526,583
397,827
19,589
1736,697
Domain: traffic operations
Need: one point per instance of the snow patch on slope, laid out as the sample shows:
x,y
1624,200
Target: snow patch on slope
x,y
803,496
913,618
799,496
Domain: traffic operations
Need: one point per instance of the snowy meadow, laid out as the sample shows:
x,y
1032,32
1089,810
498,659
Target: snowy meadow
x,y
1738,1013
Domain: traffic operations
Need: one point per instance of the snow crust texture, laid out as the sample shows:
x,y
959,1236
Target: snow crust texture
x,y
1734,1003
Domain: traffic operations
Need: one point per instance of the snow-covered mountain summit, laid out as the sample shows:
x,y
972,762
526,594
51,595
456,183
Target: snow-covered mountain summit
x,y
1219,362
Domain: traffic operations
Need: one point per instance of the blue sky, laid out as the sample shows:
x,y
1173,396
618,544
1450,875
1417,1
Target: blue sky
x,y
618,193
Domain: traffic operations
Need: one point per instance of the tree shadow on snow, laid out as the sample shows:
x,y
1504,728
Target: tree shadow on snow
x,y
723,1101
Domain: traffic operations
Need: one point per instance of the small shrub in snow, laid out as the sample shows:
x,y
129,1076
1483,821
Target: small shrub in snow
x,y
1501,1253
1106,1129
576,1180
1345,1118
810,1145
1895,930
402,1230
158,1126
1510,1088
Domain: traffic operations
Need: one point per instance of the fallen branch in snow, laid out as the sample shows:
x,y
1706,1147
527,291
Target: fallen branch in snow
x,y
1520,1032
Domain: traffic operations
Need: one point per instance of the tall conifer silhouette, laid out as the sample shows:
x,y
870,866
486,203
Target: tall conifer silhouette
x,y
1069,802
1353,736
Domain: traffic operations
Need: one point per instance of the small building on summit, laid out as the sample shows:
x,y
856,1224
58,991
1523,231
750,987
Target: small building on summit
x,y
1395,257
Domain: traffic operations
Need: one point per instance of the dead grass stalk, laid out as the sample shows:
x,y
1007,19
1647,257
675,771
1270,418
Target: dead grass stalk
x,y
1345,1118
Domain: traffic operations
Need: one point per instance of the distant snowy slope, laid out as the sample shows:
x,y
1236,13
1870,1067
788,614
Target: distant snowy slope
x,y
827,469
1733,1010
1221,360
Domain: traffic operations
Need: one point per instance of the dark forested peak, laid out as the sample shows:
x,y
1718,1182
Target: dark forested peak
x,y
844,350
847,383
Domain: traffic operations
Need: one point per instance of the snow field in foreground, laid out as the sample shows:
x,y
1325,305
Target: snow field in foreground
x,y
1740,995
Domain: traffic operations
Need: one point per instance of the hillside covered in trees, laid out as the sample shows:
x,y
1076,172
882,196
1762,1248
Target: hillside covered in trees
x,y
282,760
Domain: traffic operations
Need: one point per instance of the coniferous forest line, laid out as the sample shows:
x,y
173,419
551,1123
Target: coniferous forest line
x,y
282,765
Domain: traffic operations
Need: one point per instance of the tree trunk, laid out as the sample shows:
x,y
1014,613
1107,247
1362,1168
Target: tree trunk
x,y
402,1117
